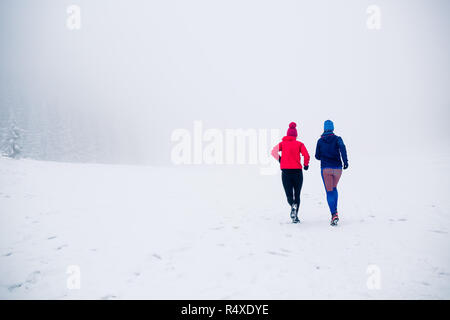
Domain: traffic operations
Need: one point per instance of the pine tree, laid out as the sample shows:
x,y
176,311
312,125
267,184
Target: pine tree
x,y
11,146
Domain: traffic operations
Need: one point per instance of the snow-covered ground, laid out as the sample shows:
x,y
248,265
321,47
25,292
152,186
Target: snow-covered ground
x,y
223,232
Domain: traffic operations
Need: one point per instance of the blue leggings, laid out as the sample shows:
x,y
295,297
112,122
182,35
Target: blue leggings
x,y
330,178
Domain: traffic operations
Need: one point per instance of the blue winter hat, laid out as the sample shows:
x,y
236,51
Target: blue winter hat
x,y
328,125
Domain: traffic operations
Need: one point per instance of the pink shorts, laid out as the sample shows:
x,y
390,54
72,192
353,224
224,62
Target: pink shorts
x,y
331,178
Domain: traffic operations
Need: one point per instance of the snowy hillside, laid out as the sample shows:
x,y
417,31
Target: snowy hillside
x,y
222,232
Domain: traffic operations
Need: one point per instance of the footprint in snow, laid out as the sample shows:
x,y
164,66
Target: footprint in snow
x,y
108,297
277,253
51,238
157,256
62,246
439,231
7,254
14,287
135,275
33,277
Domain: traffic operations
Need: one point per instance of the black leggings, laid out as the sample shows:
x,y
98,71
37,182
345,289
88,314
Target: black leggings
x,y
292,183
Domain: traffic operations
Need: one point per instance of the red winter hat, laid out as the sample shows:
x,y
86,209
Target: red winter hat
x,y
292,131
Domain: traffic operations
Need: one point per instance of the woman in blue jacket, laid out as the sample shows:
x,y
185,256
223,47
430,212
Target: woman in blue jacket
x,y
330,149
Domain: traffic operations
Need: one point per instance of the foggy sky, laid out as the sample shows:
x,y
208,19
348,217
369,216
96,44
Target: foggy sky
x,y
140,69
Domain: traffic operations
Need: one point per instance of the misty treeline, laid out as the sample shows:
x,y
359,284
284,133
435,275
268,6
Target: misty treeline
x,y
49,130
44,133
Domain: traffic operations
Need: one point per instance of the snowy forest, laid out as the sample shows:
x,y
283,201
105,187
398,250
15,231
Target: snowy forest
x,y
48,130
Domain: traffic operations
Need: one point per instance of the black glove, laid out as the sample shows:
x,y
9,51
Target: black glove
x,y
279,159
345,166
306,167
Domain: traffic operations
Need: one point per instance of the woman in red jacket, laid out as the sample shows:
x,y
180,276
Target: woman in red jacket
x,y
291,167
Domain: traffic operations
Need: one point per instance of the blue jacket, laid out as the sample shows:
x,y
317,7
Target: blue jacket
x,y
329,150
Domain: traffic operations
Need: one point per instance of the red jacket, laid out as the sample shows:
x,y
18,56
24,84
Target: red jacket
x,y
290,153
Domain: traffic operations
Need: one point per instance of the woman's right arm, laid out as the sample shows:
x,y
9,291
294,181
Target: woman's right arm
x,y
275,152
